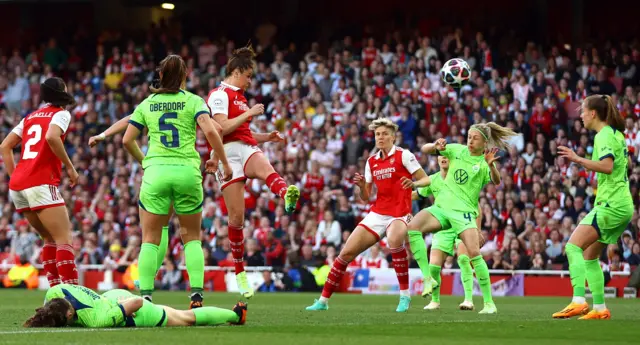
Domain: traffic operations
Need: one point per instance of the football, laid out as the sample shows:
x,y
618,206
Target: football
x,y
455,72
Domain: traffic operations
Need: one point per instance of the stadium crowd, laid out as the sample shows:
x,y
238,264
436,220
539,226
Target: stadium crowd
x,y
322,99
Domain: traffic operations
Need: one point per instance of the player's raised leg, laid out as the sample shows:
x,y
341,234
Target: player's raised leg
x,y
58,225
471,241
396,233
259,167
466,276
359,240
49,249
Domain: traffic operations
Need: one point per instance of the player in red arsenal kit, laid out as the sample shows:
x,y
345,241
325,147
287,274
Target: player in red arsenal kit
x,y
229,108
391,170
33,185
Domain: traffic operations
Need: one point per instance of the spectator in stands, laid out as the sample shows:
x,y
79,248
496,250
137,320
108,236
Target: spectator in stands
x,y
172,278
269,285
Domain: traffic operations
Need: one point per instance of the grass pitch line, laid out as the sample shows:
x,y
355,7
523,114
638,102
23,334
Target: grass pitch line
x,y
71,330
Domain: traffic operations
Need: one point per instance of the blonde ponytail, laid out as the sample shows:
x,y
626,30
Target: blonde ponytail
x,y
494,134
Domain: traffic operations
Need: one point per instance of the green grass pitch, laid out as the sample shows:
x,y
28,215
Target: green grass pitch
x,y
280,319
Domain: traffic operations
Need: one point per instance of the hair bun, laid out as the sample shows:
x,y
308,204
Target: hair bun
x,y
244,52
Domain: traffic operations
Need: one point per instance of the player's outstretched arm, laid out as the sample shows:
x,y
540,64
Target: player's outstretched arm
x,y
115,316
129,142
261,138
432,148
212,134
604,165
118,127
6,150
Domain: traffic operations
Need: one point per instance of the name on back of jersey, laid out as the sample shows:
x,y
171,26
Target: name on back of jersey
x,y
383,174
43,114
167,106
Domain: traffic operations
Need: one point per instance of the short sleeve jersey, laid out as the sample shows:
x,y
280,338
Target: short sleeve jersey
x,y
465,179
92,310
38,164
230,101
437,182
613,189
171,122
386,173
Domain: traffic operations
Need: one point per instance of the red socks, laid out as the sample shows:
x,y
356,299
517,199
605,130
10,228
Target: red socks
x,y
236,240
335,277
277,184
66,264
401,265
49,263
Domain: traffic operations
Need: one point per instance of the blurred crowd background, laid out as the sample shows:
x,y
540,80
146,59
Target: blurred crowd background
x,y
321,93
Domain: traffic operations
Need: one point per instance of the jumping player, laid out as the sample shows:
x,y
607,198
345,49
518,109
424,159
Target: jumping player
x,y
457,204
73,305
229,108
390,170
172,171
33,186
444,243
612,211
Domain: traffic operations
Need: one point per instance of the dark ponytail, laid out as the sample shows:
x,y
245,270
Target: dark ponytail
x,y
173,74
606,110
52,314
53,92
242,59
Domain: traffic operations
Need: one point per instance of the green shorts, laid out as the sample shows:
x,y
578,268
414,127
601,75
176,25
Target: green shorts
x,y
457,221
163,185
610,222
150,315
446,241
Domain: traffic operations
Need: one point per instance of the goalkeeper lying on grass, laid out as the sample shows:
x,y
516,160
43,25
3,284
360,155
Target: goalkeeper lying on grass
x,y
72,305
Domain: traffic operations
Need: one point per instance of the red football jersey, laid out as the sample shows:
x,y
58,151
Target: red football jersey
x,y
38,164
229,100
392,200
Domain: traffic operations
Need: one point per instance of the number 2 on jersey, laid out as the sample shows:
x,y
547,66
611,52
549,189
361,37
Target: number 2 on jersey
x,y
28,153
164,126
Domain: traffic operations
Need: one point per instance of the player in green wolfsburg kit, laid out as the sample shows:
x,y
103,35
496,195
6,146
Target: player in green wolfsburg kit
x,y
611,213
172,173
444,243
73,305
456,207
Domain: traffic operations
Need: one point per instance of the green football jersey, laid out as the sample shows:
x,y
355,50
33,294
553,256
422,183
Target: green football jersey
x,y
466,177
613,189
434,188
171,121
92,310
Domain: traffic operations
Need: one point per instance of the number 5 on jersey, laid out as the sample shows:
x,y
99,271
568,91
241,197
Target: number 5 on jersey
x,y
164,126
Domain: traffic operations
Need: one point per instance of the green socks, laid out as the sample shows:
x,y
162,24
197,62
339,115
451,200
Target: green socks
x,y
162,247
577,269
148,267
195,265
595,278
466,276
482,273
435,274
212,316
419,251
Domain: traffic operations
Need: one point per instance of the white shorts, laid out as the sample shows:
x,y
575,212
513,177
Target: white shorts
x,y
238,154
36,198
377,224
